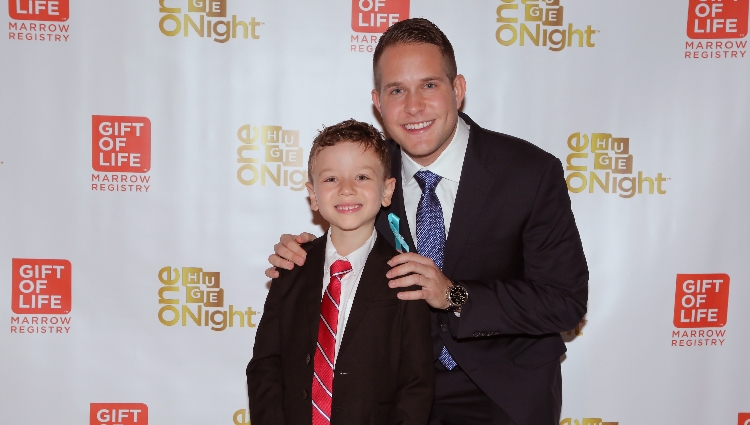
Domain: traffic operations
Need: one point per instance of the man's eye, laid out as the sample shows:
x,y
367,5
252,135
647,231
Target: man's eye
x,y
396,91
430,85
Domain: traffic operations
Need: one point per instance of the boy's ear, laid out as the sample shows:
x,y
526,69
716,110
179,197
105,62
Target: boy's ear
x,y
313,200
390,186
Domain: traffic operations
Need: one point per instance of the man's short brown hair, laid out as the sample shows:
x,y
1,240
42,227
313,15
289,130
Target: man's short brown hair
x,y
351,130
415,31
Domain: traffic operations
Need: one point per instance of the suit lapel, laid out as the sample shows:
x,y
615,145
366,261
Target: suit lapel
x,y
396,207
473,189
312,287
371,283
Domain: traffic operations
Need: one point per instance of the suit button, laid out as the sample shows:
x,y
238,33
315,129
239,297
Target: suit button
x,y
307,359
304,394
444,327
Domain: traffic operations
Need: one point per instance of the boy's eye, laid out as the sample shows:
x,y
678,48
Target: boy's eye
x,y
363,177
329,179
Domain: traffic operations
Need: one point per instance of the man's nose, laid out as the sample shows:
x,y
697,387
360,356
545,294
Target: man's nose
x,y
414,103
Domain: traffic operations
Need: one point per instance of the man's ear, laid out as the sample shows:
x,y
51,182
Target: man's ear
x,y
313,199
459,89
390,186
376,100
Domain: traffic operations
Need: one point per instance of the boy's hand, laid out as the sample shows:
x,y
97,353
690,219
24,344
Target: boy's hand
x,y
425,274
288,252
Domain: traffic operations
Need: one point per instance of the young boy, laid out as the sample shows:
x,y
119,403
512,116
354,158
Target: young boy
x,y
335,345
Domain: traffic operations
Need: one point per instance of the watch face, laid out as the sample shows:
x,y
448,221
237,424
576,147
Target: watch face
x,y
458,295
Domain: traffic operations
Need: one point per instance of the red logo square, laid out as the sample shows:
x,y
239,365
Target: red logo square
x,y
717,19
744,419
378,15
39,10
701,300
121,144
41,286
118,414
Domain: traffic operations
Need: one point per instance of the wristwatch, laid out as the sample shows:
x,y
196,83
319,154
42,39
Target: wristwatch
x,y
456,295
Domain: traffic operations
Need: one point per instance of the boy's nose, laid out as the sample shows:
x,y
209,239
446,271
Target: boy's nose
x,y
347,188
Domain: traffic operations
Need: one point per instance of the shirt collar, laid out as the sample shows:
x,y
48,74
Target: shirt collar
x,y
357,259
448,165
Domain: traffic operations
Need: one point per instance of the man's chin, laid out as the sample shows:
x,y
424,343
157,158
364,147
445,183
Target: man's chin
x,y
418,152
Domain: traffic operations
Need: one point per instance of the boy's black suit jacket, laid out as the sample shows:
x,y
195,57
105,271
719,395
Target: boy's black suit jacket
x,y
513,243
384,372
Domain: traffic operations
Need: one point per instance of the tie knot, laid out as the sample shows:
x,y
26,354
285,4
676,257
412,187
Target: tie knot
x,y
427,180
340,268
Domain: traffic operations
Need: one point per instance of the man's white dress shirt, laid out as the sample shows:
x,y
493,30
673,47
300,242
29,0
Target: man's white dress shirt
x,y
448,166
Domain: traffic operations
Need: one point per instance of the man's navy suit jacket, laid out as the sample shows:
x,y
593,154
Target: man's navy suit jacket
x,y
513,243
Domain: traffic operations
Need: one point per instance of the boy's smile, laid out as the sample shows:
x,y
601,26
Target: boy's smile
x,y
348,187
346,208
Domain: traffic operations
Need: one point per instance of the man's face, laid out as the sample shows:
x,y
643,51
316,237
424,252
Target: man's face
x,y
349,187
417,101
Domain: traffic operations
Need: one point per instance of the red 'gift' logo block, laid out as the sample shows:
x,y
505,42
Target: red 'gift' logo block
x,y
378,15
41,286
118,414
701,300
39,10
121,144
717,18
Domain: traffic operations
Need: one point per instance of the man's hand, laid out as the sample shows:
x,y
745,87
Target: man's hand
x,y
425,274
288,252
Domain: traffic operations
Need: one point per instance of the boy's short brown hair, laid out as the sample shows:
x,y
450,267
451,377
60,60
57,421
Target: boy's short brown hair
x,y
415,31
351,130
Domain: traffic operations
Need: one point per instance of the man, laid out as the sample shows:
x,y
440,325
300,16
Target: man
x,y
498,255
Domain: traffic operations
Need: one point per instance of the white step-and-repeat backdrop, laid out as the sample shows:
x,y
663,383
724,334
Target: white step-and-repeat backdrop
x,y
153,152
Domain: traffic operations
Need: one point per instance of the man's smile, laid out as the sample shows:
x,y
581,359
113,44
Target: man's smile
x,y
418,126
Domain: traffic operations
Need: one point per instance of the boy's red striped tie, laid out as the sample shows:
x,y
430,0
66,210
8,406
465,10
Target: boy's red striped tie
x,y
322,384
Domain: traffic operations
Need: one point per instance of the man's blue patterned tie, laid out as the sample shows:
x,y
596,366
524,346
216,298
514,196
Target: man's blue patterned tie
x,y
431,234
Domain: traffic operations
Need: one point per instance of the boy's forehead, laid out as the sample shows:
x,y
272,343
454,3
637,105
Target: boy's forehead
x,y
348,145
330,155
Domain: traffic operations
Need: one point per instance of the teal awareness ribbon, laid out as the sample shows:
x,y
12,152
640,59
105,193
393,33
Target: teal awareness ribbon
x,y
394,221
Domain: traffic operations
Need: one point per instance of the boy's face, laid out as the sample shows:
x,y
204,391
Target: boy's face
x,y
349,187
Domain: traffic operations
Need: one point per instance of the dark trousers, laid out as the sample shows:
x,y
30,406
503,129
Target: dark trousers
x,y
458,401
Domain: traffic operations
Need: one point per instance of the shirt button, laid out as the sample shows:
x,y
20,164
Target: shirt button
x,y
444,327
304,394
307,359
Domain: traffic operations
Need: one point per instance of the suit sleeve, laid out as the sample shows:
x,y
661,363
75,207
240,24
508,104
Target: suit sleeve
x,y
553,293
264,378
416,370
